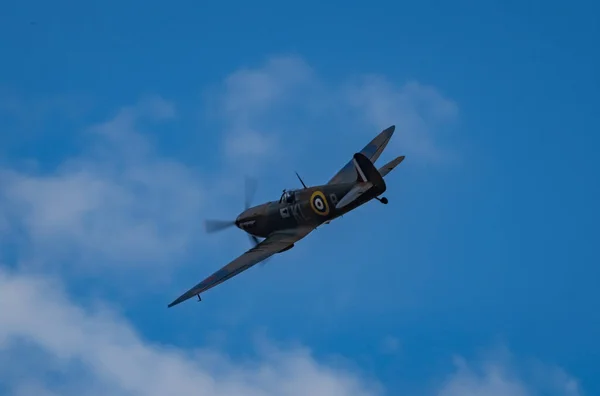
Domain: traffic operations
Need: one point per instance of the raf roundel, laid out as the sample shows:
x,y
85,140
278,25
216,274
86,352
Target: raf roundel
x,y
318,203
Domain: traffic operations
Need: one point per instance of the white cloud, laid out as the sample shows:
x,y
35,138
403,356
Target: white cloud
x,y
285,96
45,336
417,110
249,144
250,102
252,92
123,201
501,375
99,351
119,201
493,380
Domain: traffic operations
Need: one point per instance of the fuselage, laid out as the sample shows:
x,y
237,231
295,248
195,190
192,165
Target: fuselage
x,y
311,206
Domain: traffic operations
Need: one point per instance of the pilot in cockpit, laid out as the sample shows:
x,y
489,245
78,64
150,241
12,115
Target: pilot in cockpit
x,y
287,196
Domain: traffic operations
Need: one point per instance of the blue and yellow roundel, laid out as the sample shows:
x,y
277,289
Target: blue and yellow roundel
x,y
318,203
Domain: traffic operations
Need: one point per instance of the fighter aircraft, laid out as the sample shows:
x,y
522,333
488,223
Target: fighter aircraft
x,y
298,212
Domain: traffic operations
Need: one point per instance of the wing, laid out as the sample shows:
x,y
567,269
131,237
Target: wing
x,y
275,243
372,151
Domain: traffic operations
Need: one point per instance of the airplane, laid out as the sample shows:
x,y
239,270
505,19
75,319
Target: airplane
x,y
298,212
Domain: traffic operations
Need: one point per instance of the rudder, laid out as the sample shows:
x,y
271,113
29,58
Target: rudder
x,y
367,173
368,179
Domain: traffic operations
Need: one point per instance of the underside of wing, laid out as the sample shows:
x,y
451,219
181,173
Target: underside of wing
x,y
372,151
275,243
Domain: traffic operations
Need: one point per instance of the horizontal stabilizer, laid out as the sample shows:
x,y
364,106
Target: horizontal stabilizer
x,y
354,194
387,168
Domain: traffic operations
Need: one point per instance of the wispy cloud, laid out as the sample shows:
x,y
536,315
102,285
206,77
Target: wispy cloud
x,y
419,111
122,201
286,96
500,374
119,201
52,345
493,380
250,101
96,351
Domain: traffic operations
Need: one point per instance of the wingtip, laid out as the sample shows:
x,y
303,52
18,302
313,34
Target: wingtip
x,y
184,297
178,301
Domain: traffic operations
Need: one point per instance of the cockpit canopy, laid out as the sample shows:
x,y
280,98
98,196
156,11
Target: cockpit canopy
x,y
288,197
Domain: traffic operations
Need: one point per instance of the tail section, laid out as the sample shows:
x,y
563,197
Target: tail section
x,y
372,151
387,168
366,171
368,179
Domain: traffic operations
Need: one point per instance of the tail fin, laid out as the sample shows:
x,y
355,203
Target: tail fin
x,y
368,178
366,171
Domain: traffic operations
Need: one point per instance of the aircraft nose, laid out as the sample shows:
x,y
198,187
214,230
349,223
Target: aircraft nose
x,y
238,220
242,220
248,218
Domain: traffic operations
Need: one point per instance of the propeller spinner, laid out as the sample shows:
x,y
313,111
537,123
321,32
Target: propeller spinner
x,y
219,225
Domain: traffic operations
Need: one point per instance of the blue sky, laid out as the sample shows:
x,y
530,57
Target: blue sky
x,y
124,125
